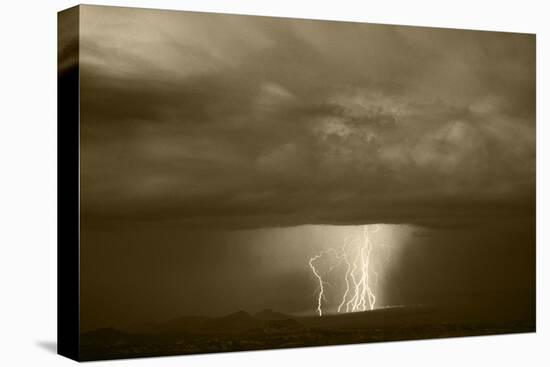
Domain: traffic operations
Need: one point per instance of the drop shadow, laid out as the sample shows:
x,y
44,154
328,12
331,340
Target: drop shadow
x,y
50,346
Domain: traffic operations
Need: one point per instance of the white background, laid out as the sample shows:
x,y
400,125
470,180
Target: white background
x,y
28,184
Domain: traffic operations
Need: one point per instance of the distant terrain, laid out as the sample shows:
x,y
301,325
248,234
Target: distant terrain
x,y
269,329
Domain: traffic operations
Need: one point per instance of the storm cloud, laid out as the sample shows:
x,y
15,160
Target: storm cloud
x,y
222,120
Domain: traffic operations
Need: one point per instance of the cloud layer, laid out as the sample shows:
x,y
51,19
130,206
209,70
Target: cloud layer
x,y
230,121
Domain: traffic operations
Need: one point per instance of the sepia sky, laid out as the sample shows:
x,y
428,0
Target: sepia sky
x,y
196,128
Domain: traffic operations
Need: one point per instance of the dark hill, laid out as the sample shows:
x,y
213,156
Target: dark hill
x,y
104,336
184,324
238,321
269,314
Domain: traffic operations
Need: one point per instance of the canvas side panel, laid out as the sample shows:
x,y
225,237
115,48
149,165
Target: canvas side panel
x,y
68,286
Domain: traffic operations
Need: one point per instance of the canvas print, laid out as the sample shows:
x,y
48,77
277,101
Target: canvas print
x,y
252,182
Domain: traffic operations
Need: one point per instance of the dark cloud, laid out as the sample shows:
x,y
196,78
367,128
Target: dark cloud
x,y
301,121
67,42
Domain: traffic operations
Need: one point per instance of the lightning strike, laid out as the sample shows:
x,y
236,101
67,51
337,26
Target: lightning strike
x,y
321,282
360,279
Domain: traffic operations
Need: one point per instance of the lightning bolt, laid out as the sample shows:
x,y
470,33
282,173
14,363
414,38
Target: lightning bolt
x,y
360,288
346,279
320,295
